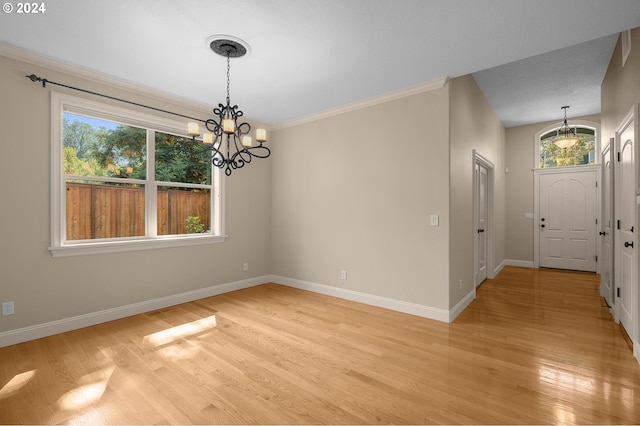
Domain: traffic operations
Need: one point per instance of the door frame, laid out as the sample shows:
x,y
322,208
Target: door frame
x,y
610,150
634,333
536,204
479,159
536,190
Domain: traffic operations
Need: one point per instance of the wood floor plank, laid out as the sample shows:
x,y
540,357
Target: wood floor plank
x,y
536,347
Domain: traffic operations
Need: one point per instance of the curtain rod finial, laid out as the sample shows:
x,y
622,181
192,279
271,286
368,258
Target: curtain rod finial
x,y
34,78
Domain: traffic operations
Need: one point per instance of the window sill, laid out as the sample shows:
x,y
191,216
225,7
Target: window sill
x,y
102,247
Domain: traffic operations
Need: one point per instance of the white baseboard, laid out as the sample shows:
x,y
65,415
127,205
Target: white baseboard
x,y
38,331
368,299
522,263
461,305
499,268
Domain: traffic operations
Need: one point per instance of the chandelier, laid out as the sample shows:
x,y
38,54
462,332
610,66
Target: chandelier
x,y
227,144
565,136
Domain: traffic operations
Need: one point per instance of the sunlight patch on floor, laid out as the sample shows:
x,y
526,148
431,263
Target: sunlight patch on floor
x,y
17,383
170,335
88,393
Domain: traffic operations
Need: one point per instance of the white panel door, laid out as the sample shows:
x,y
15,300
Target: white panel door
x,y
482,179
568,213
625,272
606,236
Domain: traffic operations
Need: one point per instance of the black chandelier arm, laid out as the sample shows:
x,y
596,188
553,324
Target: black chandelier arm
x,y
212,125
259,151
243,129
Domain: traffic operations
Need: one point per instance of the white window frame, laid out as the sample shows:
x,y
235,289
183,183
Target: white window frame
x,y
60,247
579,123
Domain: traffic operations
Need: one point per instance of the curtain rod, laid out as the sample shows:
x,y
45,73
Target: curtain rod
x,y
44,81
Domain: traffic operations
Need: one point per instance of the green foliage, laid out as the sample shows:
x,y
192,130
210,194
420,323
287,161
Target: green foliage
x,y
193,225
553,156
75,166
122,152
173,164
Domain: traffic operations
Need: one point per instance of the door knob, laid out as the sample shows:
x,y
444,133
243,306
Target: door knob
x,y
542,226
480,231
603,233
626,244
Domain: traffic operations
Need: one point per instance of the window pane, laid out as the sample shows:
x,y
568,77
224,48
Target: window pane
x,y
175,165
96,147
583,152
104,210
183,211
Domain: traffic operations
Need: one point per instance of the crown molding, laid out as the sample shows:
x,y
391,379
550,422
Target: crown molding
x,y
16,53
365,103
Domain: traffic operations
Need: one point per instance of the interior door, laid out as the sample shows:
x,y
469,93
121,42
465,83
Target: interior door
x,y
625,242
606,235
482,179
567,225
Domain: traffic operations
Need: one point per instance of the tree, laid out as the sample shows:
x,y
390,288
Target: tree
x,y
82,137
122,152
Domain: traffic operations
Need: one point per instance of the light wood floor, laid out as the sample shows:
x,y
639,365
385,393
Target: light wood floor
x,y
535,347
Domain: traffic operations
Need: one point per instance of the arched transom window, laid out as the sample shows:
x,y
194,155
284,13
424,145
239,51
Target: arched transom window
x,y
583,152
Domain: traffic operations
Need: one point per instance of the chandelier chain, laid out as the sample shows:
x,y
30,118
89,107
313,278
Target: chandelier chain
x,y
228,78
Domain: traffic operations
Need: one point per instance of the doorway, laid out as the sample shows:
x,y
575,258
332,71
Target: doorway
x,y
483,213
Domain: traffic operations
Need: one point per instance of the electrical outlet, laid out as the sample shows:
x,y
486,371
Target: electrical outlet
x,y
245,266
343,275
7,309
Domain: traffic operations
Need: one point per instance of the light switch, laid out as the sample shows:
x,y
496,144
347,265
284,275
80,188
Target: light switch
x,y
435,220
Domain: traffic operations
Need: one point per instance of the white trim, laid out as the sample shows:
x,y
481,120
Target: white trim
x,y
118,246
480,160
520,263
461,305
365,103
38,331
368,299
499,268
84,73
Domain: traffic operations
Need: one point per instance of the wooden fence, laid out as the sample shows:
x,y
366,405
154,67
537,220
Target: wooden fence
x,y
108,211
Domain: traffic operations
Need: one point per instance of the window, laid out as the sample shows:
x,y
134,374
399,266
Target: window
x,y
120,182
583,152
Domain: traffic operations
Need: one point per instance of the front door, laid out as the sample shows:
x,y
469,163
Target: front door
x,y
625,241
606,236
568,216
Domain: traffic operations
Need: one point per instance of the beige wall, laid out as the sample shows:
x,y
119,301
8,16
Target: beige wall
x,y
621,85
45,289
355,192
474,125
520,153
620,91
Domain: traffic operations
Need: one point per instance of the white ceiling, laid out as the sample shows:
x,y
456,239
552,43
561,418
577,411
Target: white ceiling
x,y
309,56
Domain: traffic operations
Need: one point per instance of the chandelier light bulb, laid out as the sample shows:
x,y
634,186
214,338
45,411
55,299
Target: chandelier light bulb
x,y
193,129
